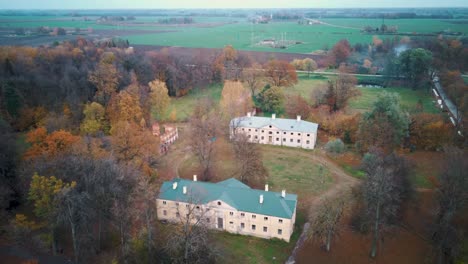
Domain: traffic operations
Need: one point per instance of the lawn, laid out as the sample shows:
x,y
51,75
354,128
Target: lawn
x,y
293,170
306,85
409,99
184,105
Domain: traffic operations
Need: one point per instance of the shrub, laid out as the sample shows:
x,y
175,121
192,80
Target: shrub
x,y
335,146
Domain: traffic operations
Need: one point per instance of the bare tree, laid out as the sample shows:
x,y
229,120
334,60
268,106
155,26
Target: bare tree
x,y
249,159
340,89
452,198
325,224
204,126
385,189
253,77
189,242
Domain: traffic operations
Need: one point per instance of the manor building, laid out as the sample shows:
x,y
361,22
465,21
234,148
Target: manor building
x,y
230,206
275,131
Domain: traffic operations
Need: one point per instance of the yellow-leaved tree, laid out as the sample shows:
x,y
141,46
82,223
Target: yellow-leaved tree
x,y
236,100
159,98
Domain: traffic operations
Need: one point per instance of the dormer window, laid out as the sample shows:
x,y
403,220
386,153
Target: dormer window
x,y
164,202
219,203
292,126
270,126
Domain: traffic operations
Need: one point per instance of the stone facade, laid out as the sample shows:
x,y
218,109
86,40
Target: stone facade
x,y
166,138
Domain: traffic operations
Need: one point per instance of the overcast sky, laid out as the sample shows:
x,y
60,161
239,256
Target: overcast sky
x,y
139,4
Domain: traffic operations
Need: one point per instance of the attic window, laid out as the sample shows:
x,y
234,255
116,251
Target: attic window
x,y
250,123
265,218
242,214
308,135
280,221
292,126
270,126
177,204
231,213
254,216
198,207
219,203
164,202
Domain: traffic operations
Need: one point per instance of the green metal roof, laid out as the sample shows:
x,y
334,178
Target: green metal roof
x,y
280,123
233,193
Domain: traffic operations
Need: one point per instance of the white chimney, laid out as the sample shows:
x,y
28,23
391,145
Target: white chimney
x,y
184,189
298,118
283,193
194,177
174,185
248,114
261,198
266,187
273,116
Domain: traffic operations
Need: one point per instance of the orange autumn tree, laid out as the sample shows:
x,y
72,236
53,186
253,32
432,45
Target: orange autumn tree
x,y
46,144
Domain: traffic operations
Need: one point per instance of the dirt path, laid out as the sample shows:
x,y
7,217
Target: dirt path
x,y
343,183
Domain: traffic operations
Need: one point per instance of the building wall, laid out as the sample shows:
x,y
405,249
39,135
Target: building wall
x,y
274,136
232,219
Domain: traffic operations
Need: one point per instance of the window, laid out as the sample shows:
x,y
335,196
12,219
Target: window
x,y
198,207
298,134
256,137
250,129
291,140
262,137
231,213
253,227
270,132
292,134
284,133
256,130
269,126
265,218
298,141
280,221
292,126
277,132
242,214
250,136
177,204
242,225
207,220
265,229
277,139
164,202
231,223
280,231
307,141
177,214
187,205
308,135
254,216
164,212
219,203
243,129
284,140
263,131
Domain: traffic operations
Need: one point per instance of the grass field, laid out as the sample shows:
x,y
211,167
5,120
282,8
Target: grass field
x,y
409,99
240,33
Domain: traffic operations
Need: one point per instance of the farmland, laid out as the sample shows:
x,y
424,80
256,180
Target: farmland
x,y
216,32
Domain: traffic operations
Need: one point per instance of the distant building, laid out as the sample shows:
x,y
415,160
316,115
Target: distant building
x,y
167,135
276,131
229,205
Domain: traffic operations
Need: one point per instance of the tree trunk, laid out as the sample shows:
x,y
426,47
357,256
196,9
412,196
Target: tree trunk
x,y
54,242
99,232
75,245
329,236
150,235
376,232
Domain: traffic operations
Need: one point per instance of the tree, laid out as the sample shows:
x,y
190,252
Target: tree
x,y
132,144
280,73
204,125
385,125
340,90
325,224
340,52
309,65
249,160
43,192
429,131
297,105
94,120
106,80
189,241
8,169
451,199
415,66
236,100
271,99
385,188
159,98
253,77
48,144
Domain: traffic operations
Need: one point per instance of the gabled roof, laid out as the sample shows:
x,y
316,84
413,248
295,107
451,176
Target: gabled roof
x,y
280,123
233,193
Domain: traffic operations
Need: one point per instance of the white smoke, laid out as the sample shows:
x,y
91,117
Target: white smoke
x,y
400,48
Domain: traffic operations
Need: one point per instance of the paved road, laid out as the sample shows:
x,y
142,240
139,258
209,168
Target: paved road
x,y
448,103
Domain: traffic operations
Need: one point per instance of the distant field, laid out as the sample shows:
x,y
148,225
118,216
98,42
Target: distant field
x,y
240,33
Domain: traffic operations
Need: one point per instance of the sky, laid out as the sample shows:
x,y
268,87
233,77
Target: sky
x,y
163,4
